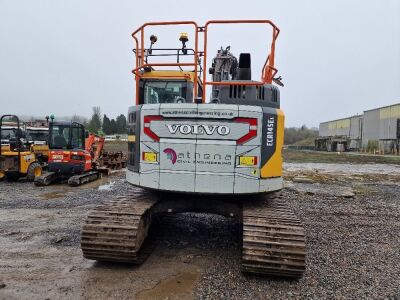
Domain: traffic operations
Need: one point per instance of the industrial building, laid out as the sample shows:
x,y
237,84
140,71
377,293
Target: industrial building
x,y
376,130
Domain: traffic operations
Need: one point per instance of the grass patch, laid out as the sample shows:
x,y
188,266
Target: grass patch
x,y
333,157
116,146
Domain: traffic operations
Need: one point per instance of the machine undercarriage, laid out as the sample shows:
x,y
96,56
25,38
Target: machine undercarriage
x,y
273,237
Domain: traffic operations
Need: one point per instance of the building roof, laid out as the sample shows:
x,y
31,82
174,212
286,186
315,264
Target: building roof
x,y
382,107
354,116
396,104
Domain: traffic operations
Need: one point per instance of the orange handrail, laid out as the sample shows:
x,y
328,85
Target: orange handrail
x,y
138,63
268,71
135,71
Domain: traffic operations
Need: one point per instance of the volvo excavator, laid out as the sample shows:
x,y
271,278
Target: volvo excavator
x,y
191,153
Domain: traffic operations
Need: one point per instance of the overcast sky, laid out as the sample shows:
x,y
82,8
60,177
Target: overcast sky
x,y
337,58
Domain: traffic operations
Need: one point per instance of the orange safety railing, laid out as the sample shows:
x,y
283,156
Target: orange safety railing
x,y
268,71
140,58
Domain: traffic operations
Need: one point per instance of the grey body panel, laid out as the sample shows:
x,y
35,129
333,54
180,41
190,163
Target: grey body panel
x,y
266,95
134,147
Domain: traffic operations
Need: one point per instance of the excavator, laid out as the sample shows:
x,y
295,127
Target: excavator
x,y
73,156
191,153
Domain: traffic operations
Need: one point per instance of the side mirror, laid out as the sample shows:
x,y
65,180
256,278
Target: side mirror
x,y
86,134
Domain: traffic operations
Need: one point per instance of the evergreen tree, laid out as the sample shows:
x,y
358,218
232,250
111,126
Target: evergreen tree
x,y
95,122
121,124
107,125
113,126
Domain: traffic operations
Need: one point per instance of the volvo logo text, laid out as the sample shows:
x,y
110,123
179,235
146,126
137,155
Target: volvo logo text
x,y
198,129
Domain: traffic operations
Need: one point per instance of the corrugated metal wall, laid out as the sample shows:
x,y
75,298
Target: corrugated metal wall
x,y
375,125
370,126
381,124
388,122
335,128
356,127
348,127
324,129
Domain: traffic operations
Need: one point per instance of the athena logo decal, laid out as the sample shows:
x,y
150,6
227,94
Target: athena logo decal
x,y
171,155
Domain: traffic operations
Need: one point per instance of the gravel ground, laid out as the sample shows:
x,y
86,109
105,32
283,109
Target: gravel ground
x,y
353,247
353,252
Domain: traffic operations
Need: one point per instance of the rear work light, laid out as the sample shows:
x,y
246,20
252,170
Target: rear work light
x,y
149,156
248,161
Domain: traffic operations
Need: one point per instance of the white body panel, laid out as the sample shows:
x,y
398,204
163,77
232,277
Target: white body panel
x,y
197,149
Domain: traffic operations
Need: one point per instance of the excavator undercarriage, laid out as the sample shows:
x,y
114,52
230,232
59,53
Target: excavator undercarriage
x,y
273,237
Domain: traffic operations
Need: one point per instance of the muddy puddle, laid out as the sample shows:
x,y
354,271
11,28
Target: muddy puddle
x,y
60,190
105,183
106,187
53,195
176,287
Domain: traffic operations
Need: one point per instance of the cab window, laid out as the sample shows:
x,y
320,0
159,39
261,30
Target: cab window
x,y
59,136
77,141
164,92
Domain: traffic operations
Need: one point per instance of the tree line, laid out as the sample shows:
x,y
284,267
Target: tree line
x,y
104,125
302,135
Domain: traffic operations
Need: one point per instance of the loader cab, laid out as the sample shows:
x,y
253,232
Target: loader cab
x,y
66,136
12,137
37,135
7,134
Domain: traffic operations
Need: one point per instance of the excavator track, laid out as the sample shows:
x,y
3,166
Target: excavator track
x,y
84,178
273,239
116,230
45,179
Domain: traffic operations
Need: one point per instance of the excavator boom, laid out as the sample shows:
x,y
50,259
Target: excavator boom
x,y
94,144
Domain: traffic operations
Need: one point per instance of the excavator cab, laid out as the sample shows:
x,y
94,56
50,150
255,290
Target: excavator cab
x,y
157,91
67,148
66,136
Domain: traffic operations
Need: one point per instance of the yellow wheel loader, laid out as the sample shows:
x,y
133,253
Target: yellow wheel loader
x,y
16,160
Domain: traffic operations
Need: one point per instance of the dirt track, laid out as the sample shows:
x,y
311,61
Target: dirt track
x,y
353,245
